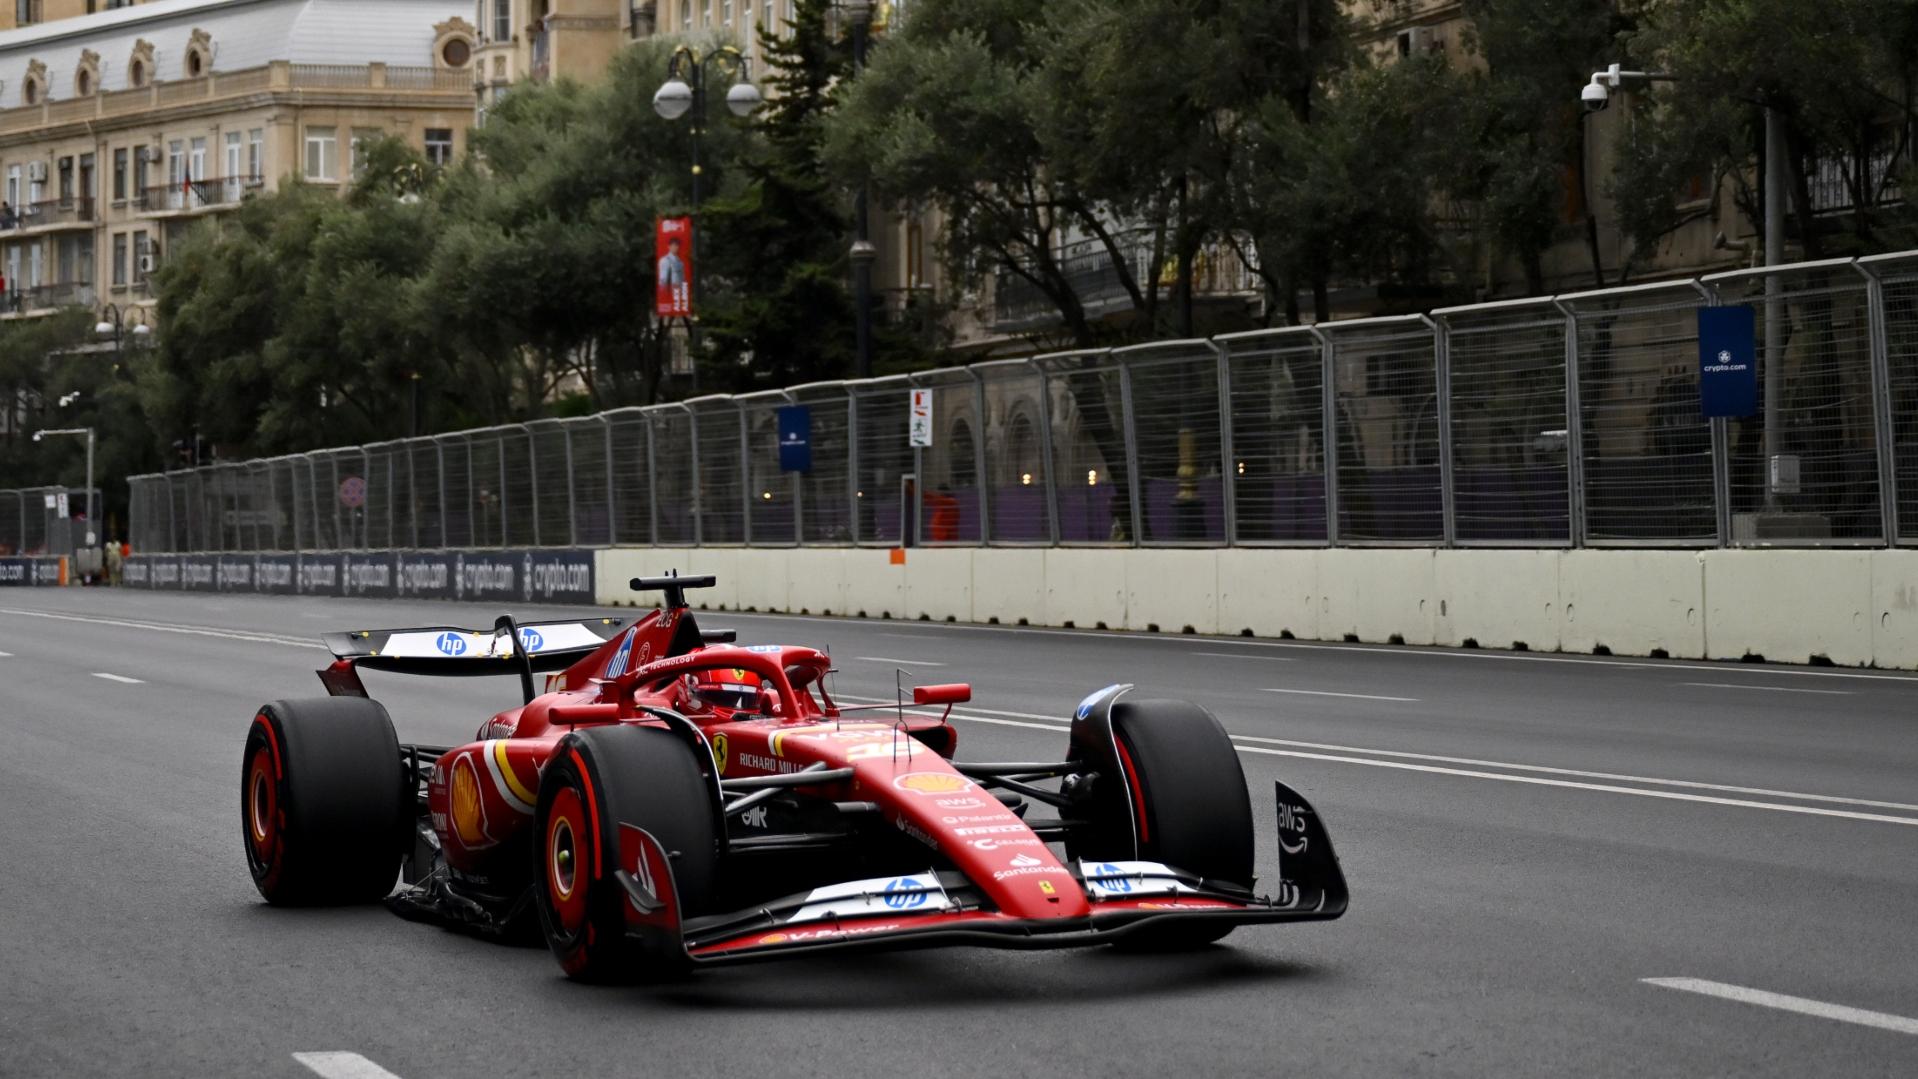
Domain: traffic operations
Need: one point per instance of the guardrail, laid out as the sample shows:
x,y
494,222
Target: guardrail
x,y
1569,421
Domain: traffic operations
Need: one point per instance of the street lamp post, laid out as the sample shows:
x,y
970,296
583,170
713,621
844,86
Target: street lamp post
x,y
1595,96
675,98
113,324
87,431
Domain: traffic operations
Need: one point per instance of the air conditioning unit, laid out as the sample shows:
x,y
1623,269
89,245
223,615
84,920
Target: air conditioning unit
x,y
37,170
150,154
148,263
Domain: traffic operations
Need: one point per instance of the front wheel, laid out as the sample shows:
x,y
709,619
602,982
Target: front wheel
x,y
1171,790
323,801
598,779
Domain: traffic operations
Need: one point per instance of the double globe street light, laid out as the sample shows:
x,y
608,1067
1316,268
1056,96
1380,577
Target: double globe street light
x,y
684,91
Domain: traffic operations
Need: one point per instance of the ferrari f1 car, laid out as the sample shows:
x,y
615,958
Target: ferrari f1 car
x,y
674,800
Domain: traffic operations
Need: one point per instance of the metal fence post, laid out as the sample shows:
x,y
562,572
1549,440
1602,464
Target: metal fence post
x,y
852,464
1721,438
572,499
532,477
699,487
652,484
1329,425
612,488
745,477
798,482
1129,427
1574,431
979,470
499,452
1442,383
1228,469
1045,455
1885,441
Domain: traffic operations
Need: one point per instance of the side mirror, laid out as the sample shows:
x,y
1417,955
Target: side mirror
x,y
949,694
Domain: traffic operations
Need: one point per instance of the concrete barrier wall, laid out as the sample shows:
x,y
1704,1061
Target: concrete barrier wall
x,y
1855,608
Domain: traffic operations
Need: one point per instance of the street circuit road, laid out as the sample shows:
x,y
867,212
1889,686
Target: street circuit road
x,y
1559,865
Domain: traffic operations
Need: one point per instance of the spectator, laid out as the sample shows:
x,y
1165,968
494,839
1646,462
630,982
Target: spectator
x,y
8,219
116,562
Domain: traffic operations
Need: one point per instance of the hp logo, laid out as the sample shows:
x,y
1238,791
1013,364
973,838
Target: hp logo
x,y
905,894
451,644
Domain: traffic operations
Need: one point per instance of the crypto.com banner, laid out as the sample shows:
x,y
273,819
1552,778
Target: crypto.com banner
x,y
542,576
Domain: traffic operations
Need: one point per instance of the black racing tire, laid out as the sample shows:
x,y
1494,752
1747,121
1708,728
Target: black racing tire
x,y
598,778
1181,796
324,804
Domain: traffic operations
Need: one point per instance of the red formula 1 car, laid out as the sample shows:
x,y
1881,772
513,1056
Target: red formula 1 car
x,y
675,800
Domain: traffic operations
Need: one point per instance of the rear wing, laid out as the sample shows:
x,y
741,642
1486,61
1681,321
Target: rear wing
x,y
508,648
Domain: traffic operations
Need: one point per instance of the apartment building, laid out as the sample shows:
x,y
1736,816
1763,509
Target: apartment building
x,y
123,129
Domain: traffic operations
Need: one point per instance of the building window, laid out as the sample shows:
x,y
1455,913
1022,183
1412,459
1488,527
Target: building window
x,y
140,172
256,154
439,146
502,20
322,154
120,174
726,12
363,137
142,256
83,83
137,74
13,186
456,52
66,179
231,168
30,91
86,176
26,12
119,260
685,14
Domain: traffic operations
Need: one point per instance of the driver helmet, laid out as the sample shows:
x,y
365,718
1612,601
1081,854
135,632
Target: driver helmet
x,y
729,688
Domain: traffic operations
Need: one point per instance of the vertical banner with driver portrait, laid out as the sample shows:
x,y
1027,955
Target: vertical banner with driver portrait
x,y
673,255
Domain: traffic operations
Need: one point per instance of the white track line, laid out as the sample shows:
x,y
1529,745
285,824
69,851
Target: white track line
x,y
342,1065
1801,1005
6,655
1769,689
118,678
1353,696
1441,651
1535,780
1244,655
162,627
901,662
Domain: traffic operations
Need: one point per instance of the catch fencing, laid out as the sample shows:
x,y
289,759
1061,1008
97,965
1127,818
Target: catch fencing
x,y
1555,422
41,521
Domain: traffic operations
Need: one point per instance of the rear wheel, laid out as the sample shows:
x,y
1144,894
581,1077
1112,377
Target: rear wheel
x,y
600,778
323,801
1178,797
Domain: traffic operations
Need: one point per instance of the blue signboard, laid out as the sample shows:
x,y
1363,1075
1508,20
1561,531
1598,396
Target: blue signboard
x,y
795,438
1727,361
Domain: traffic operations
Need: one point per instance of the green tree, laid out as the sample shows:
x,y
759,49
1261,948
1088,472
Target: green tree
x,y
1518,132
1843,77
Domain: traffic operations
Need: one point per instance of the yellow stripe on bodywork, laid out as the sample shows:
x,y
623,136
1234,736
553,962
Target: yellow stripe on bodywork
x,y
513,785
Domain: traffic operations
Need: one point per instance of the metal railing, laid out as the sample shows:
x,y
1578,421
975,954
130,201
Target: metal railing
x,y
1551,422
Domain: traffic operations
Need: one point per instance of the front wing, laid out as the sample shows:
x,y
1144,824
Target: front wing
x,y
937,909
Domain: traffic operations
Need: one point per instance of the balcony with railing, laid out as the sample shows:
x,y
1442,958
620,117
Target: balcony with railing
x,y
49,215
1099,282
194,196
277,77
1834,181
40,299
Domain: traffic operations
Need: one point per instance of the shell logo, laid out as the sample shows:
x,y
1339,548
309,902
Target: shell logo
x,y
773,938
932,783
469,816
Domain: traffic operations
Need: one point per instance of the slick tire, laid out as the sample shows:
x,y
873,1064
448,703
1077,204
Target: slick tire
x,y
599,778
324,804
1181,797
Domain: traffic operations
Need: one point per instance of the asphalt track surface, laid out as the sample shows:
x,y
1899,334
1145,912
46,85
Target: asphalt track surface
x,y
1528,838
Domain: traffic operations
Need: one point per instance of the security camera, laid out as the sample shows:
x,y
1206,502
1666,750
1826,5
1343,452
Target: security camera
x,y
1595,96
